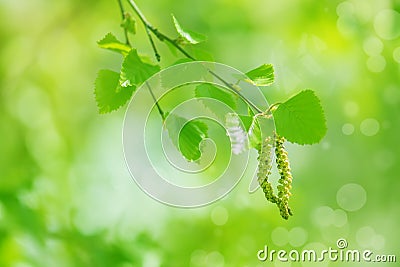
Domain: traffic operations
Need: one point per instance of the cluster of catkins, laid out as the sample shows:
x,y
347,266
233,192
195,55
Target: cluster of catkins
x,y
264,170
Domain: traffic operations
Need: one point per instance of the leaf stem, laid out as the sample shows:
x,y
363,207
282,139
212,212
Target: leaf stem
x,y
162,37
121,7
272,107
148,27
153,45
156,102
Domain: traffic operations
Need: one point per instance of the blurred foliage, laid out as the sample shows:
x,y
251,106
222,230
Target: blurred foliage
x,y
66,198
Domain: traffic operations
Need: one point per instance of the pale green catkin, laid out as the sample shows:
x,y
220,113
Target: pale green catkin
x,y
264,170
285,182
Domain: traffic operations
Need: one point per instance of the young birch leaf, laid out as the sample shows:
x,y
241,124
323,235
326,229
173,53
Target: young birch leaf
x,y
261,76
246,120
301,119
129,23
255,138
136,70
186,135
110,42
109,96
187,35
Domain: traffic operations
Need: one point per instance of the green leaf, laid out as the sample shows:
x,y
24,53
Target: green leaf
x,y
109,95
110,42
136,70
186,135
206,90
261,76
246,120
129,23
301,119
187,35
255,138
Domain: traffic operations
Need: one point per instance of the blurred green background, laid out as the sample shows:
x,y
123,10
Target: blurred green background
x,y
66,197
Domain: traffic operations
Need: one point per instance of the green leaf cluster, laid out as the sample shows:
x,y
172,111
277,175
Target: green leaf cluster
x,y
300,119
112,89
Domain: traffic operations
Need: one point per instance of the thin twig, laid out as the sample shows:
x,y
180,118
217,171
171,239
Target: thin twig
x,y
162,37
148,27
158,57
156,102
121,7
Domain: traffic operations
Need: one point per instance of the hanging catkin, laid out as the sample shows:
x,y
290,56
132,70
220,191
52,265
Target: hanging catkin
x,y
264,169
285,181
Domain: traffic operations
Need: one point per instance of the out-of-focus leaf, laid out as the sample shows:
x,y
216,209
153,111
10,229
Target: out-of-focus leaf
x,y
109,95
254,135
110,42
129,23
188,36
261,76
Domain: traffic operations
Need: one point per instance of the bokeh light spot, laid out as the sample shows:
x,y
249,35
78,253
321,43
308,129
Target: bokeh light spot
x,y
326,145
351,108
198,258
297,236
387,24
378,242
219,215
215,259
351,197
339,218
364,236
280,236
322,216
373,46
396,54
367,238
348,129
344,9
369,127
376,63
